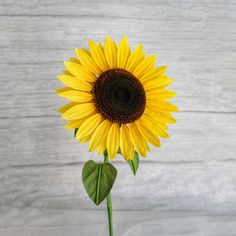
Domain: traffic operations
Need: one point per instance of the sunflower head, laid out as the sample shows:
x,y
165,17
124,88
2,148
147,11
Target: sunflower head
x,y
119,99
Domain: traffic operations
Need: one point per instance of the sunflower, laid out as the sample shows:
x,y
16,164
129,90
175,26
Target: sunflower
x,y
118,98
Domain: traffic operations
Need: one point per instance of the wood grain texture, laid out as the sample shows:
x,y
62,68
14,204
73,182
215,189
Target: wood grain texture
x,y
185,188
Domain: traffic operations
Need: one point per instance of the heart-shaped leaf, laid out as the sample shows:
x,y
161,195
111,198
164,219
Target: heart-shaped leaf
x,y
98,180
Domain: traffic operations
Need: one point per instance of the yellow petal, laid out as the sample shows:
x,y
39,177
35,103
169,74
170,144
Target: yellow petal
x,y
148,133
160,117
149,122
79,111
115,46
126,145
72,124
85,139
144,66
135,57
66,107
146,145
137,139
101,147
80,71
154,73
110,52
162,105
75,95
75,60
160,94
87,61
165,117
101,47
75,82
157,84
123,53
66,72
130,154
162,133
154,126
113,140
97,55
89,125
162,125
164,81
99,134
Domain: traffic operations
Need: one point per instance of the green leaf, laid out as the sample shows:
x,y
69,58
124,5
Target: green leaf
x,y
98,180
134,164
75,132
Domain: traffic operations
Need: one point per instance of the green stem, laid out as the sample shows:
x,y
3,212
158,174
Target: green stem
x,y
109,203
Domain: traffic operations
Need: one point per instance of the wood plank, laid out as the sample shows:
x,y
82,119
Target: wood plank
x,y
151,9
51,37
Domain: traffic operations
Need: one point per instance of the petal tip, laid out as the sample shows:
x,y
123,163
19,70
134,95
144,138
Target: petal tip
x,y
57,91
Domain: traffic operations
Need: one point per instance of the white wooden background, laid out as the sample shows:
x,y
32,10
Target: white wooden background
x,y
186,188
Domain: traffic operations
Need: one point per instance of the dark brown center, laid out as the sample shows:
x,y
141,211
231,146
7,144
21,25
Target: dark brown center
x,y
119,96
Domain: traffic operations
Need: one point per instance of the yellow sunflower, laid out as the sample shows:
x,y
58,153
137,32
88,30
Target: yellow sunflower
x,y
118,98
